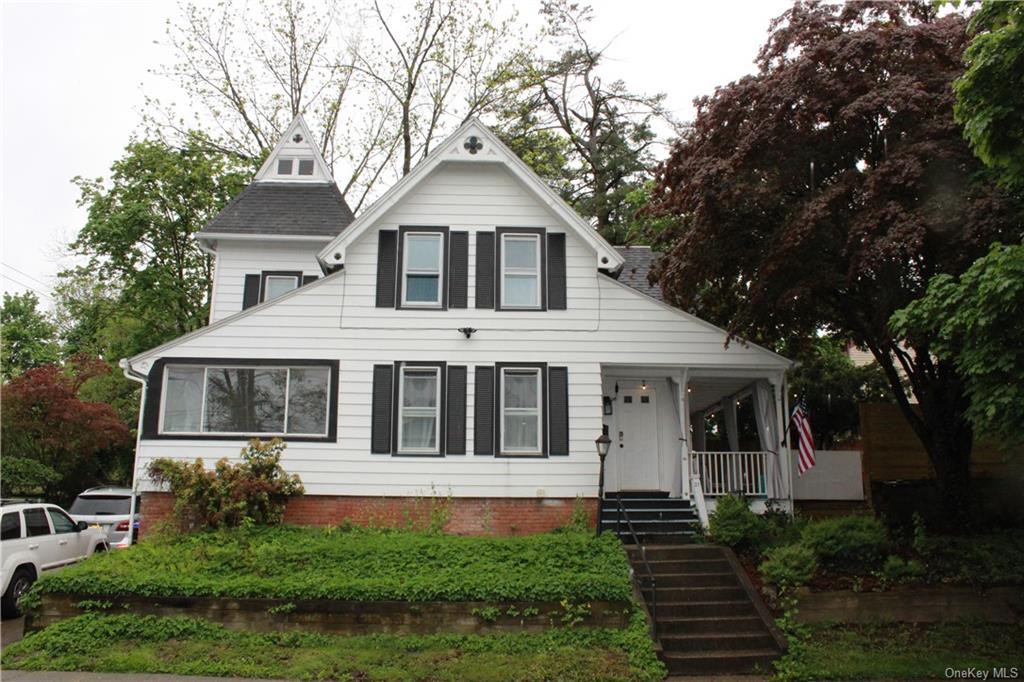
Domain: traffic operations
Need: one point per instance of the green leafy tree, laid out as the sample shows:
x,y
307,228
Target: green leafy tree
x,y
824,191
976,321
28,338
139,238
834,387
990,93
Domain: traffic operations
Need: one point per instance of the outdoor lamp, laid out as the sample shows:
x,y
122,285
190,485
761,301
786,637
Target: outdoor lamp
x,y
603,442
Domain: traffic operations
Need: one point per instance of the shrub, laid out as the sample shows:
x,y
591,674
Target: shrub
x,y
734,525
897,570
252,492
789,566
847,540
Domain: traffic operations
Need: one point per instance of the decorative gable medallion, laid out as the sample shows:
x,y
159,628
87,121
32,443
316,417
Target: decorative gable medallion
x,y
473,144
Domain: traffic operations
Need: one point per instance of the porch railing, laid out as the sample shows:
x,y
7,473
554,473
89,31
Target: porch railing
x,y
724,473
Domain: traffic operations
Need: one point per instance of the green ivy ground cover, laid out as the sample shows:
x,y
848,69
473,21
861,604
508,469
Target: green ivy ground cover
x,y
192,646
312,563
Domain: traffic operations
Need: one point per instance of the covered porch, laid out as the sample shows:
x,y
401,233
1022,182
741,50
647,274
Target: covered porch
x,y
697,433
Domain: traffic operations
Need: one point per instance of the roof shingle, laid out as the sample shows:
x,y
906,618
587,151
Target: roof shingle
x,y
285,209
639,261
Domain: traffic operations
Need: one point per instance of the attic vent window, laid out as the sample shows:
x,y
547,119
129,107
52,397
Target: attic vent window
x,y
284,166
473,145
306,167
296,138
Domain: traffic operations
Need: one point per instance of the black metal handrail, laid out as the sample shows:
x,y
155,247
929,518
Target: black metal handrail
x,y
620,512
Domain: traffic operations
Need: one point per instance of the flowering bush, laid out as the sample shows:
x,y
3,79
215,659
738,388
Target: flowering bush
x,y
252,492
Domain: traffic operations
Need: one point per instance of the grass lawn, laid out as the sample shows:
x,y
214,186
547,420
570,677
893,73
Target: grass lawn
x,y
356,564
901,651
192,646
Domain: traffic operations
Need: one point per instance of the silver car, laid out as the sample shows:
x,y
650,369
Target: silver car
x,y
109,508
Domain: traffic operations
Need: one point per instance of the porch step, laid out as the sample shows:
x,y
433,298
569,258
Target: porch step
x,y
670,552
715,641
631,494
708,625
666,580
665,566
651,514
724,608
689,594
640,503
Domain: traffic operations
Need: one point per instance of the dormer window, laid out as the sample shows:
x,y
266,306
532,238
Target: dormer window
x,y
423,260
295,166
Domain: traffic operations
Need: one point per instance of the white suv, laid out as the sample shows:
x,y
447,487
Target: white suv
x,y
36,538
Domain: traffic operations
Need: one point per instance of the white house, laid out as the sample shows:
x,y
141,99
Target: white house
x,y
468,336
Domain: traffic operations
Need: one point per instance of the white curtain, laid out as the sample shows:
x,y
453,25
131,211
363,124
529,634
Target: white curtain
x,y
700,439
729,419
768,433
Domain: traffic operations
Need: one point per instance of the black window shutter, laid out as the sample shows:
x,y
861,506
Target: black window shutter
x,y
309,279
556,272
458,269
483,412
387,264
484,269
380,431
151,409
558,410
251,293
456,429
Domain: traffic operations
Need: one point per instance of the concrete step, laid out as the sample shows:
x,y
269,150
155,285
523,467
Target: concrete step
x,y
668,566
719,662
726,579
696,594
668,625
701,609
718,641
672,552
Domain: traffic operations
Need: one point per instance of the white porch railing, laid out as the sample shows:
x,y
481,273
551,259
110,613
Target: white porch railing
x,y
724,473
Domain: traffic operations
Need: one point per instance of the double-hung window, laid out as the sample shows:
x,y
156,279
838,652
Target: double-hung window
x,y
423,256
246,400
419,405
521,409
520,271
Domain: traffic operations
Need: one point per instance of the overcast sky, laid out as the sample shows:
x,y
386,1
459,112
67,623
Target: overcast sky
x,y
73,76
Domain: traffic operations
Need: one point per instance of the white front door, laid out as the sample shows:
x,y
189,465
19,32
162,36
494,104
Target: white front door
x,y
635,442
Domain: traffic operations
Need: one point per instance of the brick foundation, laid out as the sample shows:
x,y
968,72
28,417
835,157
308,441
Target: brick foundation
x,y
466,515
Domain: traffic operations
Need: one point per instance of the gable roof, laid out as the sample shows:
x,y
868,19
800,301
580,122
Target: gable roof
x,y
474,142
272,208
637,267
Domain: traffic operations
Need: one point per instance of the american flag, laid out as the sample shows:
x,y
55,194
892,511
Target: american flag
x,y
802,424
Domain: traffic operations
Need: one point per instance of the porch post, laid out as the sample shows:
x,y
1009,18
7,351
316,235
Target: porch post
x,y
782,407
682,380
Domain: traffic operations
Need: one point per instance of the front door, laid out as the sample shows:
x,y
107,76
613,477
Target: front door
x,y
636,442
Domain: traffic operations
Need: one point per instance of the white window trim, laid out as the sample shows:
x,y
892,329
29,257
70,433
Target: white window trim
x,y
266,288
523,410
422,271
421,369
520,272
202,409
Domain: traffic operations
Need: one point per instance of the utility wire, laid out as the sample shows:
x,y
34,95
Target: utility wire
x,y
25,274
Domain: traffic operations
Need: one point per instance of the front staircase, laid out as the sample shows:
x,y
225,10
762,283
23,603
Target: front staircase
x,y
709,619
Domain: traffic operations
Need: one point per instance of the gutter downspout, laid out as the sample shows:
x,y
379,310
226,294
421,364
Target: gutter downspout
x,y
133,375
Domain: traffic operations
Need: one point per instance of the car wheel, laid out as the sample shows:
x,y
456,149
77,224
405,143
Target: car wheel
x,y
21,581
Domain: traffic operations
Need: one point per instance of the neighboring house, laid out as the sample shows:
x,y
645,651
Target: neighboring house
x,y
468,336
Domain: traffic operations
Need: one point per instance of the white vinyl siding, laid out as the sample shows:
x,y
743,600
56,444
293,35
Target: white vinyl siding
x,y
336,318
236,259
